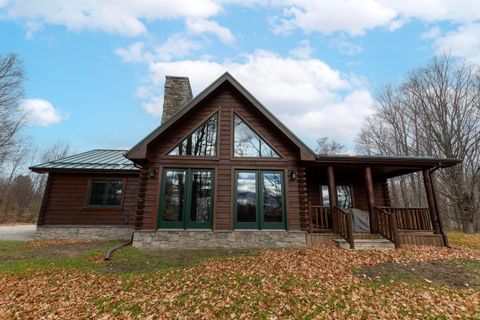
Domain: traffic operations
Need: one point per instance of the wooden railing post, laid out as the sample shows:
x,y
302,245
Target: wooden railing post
x,y
310,217
332,192
349,231
370,198
427,180
394,230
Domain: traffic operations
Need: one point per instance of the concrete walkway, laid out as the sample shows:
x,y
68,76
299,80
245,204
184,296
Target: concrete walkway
x,y
21,232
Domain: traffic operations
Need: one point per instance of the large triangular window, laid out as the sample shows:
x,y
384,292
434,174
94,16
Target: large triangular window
x,y
201,143
247,143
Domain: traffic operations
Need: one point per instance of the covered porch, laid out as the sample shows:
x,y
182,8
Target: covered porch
x,y
348,197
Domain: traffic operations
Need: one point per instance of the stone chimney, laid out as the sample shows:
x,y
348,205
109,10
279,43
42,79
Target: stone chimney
x,y
177,94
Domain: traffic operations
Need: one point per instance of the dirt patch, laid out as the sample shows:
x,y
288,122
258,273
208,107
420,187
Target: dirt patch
x,y
457,273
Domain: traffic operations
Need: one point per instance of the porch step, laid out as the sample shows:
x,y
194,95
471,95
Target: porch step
x,y
366,244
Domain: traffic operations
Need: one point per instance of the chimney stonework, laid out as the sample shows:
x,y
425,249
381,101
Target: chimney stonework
x,y
177,94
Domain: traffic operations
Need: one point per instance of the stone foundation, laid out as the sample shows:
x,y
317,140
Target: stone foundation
x,y
83,233
174,239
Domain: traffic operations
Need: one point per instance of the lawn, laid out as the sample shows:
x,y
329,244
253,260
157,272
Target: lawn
x,y
64,280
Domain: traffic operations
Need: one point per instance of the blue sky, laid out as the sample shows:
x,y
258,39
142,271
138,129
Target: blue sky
x,y
95,70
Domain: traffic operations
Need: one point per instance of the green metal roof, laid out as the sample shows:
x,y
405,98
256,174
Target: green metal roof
x,y
98,159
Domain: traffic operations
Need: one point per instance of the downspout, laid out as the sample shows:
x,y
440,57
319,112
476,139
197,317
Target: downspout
x,y
112,250
439,219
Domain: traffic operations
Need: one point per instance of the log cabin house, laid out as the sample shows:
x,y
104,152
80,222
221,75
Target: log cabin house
x,y
223,171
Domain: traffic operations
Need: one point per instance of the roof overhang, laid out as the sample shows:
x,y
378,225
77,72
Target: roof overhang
x,y
385,166
139,151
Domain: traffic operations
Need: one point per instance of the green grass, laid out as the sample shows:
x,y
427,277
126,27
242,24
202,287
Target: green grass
x,y
19,257
463,240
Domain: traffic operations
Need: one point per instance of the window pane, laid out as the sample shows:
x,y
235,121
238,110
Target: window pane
x,y
201,196
247,143
344,196
246,197
173,196
325,196
202,141
97,192
114,193
272,197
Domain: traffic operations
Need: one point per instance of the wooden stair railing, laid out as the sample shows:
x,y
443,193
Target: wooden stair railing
x,y
342,220
386,225
319,218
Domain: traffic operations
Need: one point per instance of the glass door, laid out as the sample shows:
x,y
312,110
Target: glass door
x,y
259,200
186,198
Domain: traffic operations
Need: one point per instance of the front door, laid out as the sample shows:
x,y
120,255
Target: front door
x,y
186,198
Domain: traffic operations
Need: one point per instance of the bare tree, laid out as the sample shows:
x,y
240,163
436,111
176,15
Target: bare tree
x,y
326,146
11,92
435,112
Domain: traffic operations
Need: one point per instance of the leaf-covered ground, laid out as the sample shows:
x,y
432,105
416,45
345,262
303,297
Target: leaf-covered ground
x,y
320,282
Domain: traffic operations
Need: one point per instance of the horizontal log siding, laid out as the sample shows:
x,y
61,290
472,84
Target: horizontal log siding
x,y
226,102
66,200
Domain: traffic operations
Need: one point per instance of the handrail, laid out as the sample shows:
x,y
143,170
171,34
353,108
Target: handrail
x,y
411,218
386,225
319,217
342,220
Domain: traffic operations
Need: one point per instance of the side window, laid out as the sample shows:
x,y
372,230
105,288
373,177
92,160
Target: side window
x,y
105,193
247,143
344,196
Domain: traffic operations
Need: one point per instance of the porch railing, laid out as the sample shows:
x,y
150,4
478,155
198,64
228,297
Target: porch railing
x,y
319,218
342,221
386,225
411,218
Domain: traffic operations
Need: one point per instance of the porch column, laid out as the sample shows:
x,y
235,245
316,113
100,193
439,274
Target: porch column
x,y
370,198
434,214
332,192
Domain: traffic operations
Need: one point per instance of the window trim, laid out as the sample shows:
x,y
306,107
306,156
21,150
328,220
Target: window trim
x,y
233,157
187,200
260,223
91,181
217,151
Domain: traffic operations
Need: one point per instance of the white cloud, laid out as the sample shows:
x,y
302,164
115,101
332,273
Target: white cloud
x,y
200,26
463,42
40,112
133,53
302,51
123,17
309,96
355,17
176,46
345,46
432,33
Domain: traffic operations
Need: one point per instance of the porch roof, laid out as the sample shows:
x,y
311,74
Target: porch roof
x,y
386,166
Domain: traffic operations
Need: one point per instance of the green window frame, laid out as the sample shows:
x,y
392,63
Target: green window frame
x,y
260,222
103,198
186,196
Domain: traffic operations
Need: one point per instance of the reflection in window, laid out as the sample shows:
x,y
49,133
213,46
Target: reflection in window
x,y
247,143
344,196
246,197
272,196
201,142
174,195
105,193
201,196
